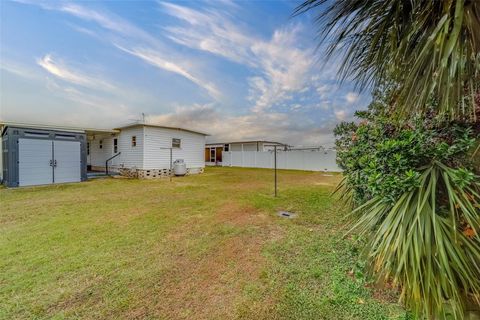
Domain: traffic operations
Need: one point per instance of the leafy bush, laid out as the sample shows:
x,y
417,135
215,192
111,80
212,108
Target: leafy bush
x,y
382,159
416,194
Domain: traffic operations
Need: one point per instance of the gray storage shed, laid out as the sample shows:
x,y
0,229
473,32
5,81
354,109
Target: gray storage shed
x,y
37,156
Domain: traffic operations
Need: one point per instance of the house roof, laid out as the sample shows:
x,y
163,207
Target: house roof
x,y
54,127
159,126
249,141
86,130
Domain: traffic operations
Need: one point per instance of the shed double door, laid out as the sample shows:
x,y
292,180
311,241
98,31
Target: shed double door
x,y
46,161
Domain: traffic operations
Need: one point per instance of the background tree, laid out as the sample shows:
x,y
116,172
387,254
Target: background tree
x,y
416,199
409,165
431,48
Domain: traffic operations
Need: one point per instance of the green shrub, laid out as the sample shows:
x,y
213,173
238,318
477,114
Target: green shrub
x,y
382,159
416,195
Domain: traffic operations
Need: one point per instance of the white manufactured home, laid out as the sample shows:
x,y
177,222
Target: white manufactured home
x,y
145,150
44,154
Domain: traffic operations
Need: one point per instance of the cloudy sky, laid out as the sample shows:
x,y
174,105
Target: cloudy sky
x,y
237,70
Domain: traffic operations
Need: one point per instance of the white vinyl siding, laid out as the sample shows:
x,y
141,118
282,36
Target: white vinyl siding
x,y
148,152
99,156
192,149
130,157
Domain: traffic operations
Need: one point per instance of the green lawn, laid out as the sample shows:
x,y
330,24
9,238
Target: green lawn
x,y
208,246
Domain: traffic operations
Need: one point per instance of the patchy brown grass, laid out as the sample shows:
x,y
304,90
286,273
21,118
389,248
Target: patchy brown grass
x,y
210,285
234,214
208,246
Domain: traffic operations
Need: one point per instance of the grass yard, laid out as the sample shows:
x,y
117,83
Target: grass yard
x,y
208,246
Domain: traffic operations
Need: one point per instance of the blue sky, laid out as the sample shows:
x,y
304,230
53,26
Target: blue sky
x,y
237,70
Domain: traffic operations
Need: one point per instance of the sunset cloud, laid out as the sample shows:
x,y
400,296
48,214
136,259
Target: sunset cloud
x,y
210,65
61,71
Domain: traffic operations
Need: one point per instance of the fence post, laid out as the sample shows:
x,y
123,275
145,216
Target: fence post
x,y
242,155
275,164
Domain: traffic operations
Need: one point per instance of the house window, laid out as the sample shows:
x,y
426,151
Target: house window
x,y
88,148
226,148
115,145
134,141
100,144
176,142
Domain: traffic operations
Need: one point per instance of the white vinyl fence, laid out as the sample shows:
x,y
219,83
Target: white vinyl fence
x,y
294,160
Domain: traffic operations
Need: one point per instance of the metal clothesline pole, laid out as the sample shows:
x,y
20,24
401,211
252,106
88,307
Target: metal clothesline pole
x,y
275,166
275,177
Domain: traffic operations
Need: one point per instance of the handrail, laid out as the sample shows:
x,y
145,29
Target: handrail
x,y
106,162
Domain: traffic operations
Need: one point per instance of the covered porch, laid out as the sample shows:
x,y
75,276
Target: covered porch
x,y
102,145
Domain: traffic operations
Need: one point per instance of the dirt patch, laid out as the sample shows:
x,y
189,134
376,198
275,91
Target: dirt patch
x,y
210,285
86,293
385,292
233,214
324,184
315,178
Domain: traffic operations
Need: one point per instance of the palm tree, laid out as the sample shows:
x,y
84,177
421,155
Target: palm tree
x,y
430,51
430,47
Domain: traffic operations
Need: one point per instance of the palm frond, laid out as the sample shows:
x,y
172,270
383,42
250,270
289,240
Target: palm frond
x,y
430,48
344,192
419,242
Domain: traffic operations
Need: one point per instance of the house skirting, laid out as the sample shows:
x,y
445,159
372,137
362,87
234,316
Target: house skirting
x,y
153,173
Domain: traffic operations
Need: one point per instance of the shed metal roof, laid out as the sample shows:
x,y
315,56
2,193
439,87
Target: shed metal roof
x,y
87,130
54,127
